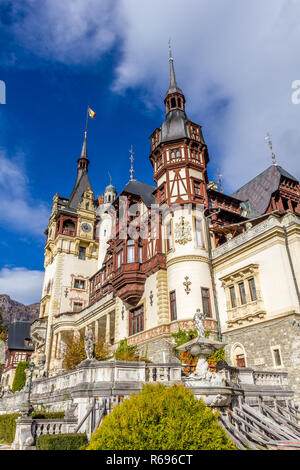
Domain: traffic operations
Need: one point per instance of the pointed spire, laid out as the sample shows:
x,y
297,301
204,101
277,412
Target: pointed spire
x,y
270,144
83,150
174,98
131,171
173,87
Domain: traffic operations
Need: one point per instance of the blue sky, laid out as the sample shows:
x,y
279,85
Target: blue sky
x,y
235,63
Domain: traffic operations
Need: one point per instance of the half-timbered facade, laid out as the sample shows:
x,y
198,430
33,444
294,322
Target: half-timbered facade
x,y
138,264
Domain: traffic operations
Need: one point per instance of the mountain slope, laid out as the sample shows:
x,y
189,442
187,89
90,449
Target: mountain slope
x,y
13,310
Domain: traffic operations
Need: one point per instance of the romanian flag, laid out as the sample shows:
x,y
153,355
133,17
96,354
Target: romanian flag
x,y
92,113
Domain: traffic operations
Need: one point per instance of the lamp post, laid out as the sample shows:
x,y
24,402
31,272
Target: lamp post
x,y
31,368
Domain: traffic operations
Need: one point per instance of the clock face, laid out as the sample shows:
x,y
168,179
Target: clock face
x,y
85,227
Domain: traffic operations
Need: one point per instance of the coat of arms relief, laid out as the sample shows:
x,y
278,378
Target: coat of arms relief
x,y
183,231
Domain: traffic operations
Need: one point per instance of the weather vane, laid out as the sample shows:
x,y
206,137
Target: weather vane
x,y
131,171
269,141
220,182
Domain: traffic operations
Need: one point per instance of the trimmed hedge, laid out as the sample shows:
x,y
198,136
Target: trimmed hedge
x,y
8,427
61,442
49,415
161,418
20,377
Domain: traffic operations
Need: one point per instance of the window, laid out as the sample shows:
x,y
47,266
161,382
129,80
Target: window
x,y
136,320
232,296
172,155
173,307
130,251
252,289
140,253
206,302
242,293
197,190
277,356
198,230
162,193
77,306
173,102
120,256
79,284
169,237
81,254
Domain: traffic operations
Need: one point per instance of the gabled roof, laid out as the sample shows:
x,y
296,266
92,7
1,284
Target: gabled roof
x,y
257,192
82,185
145,191
17,333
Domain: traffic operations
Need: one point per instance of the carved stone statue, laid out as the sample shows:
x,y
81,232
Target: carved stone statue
x,y
198,319
42,366
89,344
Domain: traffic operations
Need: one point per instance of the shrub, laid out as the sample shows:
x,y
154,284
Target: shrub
x,y
75,352
49,415
183,336
20,377
126,352
161,418
61,442
8,427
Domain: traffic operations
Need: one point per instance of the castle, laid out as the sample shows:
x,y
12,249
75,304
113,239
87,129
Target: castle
x,y
138,264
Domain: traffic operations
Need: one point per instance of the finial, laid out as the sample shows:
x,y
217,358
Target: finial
x,y
109,177
220,182
131,171
269,141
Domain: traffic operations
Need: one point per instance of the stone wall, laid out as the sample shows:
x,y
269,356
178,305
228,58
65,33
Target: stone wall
x,y
257,341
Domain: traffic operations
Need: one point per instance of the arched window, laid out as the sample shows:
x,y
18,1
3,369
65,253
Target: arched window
x,y
173,103
238,355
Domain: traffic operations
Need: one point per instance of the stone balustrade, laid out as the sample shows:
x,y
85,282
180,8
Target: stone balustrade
x,y
270,378
53,426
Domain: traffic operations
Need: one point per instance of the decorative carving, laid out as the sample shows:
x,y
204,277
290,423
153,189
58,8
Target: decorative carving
x,y
151,298
187,284
89,344
182,232
66,292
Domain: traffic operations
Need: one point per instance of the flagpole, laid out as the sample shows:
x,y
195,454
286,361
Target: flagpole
x,y
87,115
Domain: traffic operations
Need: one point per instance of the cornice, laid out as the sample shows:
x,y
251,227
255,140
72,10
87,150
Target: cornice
x,y
184,258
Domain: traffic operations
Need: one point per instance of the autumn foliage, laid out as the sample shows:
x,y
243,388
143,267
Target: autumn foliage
x,y
74,352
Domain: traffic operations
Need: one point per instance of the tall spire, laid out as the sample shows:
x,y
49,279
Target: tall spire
x,y
174,96
173,87
83,150
131,171
83,161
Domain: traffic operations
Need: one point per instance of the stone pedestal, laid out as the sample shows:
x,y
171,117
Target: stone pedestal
x,y
23,438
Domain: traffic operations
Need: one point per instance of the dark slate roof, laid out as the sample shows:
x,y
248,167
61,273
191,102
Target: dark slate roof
x,y
145,191
175,126
17,333
82,184
257,192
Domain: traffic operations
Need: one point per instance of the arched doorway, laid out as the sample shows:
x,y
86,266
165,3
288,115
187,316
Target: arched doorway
x,y
238,355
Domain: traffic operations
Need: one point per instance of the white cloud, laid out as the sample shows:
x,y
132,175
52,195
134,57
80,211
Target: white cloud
x,y
21,284
18,210
235,61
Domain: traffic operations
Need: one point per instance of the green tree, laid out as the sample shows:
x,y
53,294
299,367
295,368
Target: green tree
x,y
20,377
161,418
